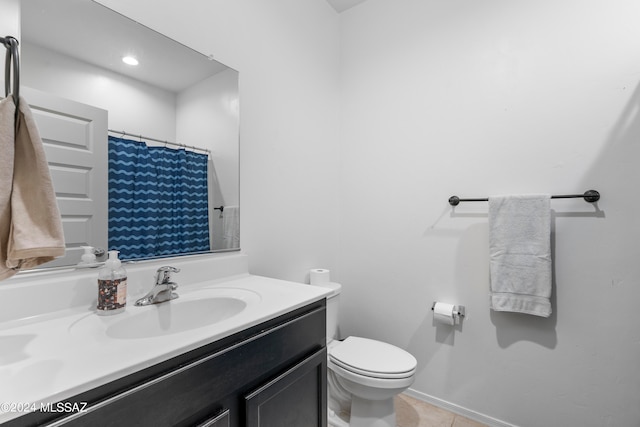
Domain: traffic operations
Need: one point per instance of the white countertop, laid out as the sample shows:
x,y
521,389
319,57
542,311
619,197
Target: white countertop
x,y
60,354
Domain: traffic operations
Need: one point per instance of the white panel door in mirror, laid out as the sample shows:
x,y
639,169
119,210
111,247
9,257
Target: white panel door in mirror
x,y
75,142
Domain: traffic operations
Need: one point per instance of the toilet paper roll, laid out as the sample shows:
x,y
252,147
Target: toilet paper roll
x,y
443,313
318,276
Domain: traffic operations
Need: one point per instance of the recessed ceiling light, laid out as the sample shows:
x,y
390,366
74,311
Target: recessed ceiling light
x,y
130,60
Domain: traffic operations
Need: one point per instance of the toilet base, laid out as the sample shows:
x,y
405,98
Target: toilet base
x,y
372,413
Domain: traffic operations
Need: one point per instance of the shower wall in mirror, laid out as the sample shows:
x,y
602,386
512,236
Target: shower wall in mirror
x,y
78,86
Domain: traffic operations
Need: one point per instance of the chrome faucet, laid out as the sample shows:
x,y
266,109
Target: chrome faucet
x,y
163,289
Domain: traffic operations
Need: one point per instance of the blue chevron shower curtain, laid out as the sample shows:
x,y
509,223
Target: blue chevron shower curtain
x,y
158,202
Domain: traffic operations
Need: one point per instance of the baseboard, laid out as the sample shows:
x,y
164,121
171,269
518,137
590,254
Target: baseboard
x,y
456,409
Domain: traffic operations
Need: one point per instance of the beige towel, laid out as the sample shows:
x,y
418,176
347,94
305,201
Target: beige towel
x,y
7,110
36,234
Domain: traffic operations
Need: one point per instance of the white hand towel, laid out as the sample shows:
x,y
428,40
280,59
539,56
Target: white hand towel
x,y
520,253
36,234
7,137
231,227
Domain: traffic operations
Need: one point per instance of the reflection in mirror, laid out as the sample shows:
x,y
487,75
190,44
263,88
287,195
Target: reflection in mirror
x,y
82,93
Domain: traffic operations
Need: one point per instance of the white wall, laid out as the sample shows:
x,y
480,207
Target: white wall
x,y
480,98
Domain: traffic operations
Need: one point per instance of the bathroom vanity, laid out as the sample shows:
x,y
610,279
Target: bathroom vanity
x,y
261,365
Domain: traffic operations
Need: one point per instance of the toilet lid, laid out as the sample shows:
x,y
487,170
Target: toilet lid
x,y
373,358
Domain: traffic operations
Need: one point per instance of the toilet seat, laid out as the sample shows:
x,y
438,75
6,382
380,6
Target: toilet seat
x,y
373,359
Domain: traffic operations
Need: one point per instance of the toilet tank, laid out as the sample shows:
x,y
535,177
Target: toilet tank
x,y
332,309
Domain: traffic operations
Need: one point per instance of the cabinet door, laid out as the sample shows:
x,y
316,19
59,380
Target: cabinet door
x,y
297,398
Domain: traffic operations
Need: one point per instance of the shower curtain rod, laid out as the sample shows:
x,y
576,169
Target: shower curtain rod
x,y
590,196
123,133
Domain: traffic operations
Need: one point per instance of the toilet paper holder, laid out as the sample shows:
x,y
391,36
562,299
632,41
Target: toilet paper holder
x,y
458,312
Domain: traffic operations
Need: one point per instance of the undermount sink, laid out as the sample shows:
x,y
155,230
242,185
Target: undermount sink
x,y
192,310
176,316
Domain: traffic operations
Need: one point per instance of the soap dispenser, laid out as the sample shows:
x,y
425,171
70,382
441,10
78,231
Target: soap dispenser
x,y
112,286
88,258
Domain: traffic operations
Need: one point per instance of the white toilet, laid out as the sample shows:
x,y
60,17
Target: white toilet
x,y
364,375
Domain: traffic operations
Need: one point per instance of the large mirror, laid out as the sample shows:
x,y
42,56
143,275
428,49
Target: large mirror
x,y
87,101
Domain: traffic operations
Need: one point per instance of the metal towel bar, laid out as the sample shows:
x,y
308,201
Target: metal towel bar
x,y
590,196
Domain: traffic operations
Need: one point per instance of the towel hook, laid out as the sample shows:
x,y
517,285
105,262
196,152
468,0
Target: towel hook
x,y
12,57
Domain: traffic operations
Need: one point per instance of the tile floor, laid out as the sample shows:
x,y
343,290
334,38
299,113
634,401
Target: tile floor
x,y
412,412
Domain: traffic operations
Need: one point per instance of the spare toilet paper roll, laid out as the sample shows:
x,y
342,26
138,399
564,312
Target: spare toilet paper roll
x,y
318,276
443,313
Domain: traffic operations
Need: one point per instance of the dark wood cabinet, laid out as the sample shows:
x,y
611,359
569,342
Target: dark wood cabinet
x,y
273,374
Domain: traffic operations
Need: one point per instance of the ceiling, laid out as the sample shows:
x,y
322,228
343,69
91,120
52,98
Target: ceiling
x,y
342,5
